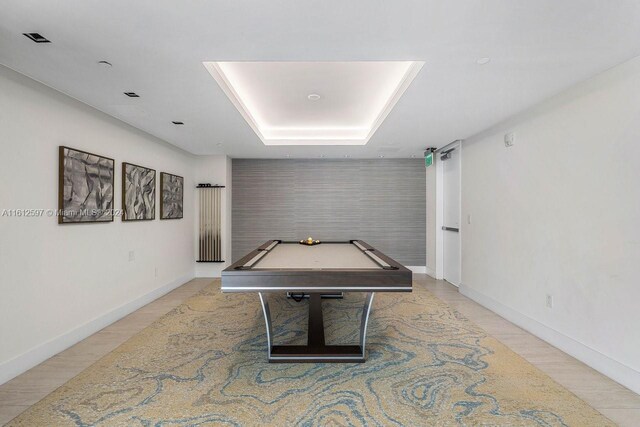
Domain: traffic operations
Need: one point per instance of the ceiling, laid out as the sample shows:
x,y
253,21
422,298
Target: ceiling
x,y
314,103
157,48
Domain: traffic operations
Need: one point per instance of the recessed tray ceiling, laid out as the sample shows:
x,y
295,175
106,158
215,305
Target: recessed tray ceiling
x,y
314,103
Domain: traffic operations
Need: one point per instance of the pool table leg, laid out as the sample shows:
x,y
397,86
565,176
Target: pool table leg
x,y
364,322
267,320
316,350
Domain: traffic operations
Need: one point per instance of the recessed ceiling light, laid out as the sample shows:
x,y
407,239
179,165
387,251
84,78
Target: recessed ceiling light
x,y
313,97
104,64
413,156
381,156
175,122
347,156
219,144
36,37
322,155
482,61
132,95
287,155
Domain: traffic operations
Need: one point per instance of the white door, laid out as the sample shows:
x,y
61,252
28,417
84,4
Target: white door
x,y
450,162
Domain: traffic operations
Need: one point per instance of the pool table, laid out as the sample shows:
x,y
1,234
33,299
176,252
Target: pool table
x,y
313,271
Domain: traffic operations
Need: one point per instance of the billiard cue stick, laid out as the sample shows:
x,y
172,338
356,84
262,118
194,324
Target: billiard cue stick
x,y
209,225
215,219
206,237
213,224
218,224
200,225
213,228
206,225
218,212
211,236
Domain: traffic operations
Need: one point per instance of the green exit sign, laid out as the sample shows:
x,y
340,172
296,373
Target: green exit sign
x,y
428,160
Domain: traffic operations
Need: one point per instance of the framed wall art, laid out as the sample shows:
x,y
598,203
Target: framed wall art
x,y
138,193
85,187
172,194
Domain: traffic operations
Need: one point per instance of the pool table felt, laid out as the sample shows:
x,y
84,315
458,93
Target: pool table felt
x,y
322,256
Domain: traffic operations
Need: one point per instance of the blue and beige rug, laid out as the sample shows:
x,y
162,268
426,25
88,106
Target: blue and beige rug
x,y
204,363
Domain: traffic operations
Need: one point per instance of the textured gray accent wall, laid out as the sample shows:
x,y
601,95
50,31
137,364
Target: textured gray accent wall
x,y
380,201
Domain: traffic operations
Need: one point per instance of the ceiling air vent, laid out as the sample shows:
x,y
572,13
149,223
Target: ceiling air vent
x,y
37,37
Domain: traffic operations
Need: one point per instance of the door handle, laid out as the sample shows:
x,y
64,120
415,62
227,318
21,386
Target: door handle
x,y
455,230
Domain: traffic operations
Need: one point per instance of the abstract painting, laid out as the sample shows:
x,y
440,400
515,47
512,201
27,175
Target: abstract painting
x,y
138,193
172,187
85,187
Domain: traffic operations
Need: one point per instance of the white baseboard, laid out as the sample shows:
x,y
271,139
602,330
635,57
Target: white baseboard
x,y
421,269
22,363
209,270
617,371
431,272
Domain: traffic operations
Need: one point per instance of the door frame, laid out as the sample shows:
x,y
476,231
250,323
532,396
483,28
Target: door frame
x,y
439,233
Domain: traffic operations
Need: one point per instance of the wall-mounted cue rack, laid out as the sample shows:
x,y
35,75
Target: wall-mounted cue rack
x,y
210,223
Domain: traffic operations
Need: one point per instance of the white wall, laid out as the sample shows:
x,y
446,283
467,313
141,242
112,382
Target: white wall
x,y
60,283
215,170
557,214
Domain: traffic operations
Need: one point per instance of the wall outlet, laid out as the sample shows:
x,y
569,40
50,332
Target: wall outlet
x,y
132,256
549,301
509,139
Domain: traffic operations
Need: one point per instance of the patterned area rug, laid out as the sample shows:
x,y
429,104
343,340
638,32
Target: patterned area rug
x,y
204,363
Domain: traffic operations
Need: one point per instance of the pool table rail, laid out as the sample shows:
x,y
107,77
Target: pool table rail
x,y
242,276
